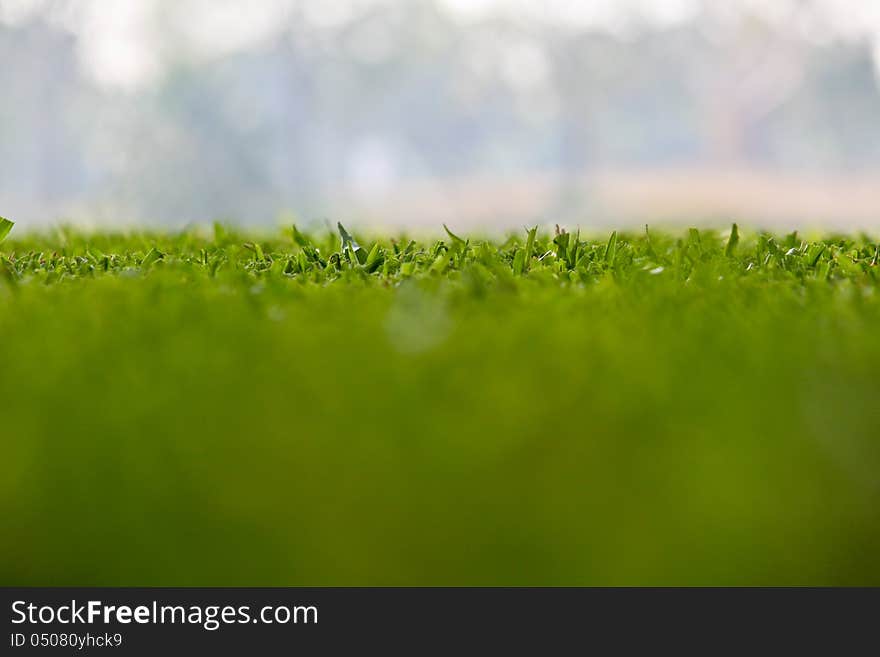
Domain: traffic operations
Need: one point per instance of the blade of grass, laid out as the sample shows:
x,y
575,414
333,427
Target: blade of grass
x,y
351,247
732,241
530,248
611,248
5,227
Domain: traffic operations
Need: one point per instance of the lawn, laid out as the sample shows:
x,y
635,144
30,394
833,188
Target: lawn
x,y
218,408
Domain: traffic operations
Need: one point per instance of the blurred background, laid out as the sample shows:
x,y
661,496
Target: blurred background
x,y
479,113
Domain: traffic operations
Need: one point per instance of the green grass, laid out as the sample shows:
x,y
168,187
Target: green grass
x,y
223,409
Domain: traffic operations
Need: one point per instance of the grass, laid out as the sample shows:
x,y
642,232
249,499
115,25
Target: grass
x,y
209,409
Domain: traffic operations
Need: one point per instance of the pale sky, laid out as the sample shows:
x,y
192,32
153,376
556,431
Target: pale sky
x,y
124,43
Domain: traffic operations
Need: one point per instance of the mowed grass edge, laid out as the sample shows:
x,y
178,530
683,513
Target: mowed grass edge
x,y
654,408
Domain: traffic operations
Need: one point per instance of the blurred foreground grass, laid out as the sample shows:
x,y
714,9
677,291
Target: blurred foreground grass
x,y
204,410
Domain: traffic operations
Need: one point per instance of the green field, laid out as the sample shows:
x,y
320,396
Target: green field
x,y
215,408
